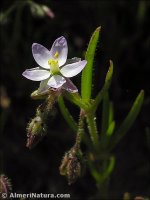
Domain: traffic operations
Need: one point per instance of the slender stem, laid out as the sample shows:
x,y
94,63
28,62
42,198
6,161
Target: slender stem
x,y
80,132
66,114
93,130
103,189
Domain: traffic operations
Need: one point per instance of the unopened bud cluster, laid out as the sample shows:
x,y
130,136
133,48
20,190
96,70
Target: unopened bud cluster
x,y
71,165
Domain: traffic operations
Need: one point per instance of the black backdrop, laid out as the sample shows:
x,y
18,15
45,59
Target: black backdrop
x,y
125,38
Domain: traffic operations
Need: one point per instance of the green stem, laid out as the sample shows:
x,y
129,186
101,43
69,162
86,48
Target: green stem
x,y
80,131
66,114
93,130
103,189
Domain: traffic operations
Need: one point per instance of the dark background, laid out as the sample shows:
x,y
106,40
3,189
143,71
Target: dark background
x,y
125,38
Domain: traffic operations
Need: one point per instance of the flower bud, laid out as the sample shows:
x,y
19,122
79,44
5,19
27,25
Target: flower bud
x,y
39,10
71,166
48,11
5,185
35,131
36,128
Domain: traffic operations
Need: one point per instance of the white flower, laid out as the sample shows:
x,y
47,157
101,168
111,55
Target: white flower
x,y
54,68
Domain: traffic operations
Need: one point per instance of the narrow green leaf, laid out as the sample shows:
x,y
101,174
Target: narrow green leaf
x,y
108,170
111,121
66,114
105,115
129,120
105,88
86,81
111,112
109,73
111,128
96,175
100,177
108,124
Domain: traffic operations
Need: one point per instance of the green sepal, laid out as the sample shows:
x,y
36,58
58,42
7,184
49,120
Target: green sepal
x,y
36,95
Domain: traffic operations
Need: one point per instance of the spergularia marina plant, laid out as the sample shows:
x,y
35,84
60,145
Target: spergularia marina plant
x,y
54,71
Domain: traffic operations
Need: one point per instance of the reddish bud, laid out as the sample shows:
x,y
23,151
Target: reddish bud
x,y
5,185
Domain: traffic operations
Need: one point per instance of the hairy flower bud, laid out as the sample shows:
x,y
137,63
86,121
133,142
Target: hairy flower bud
x,y
36,128
5,185
35,131
71,165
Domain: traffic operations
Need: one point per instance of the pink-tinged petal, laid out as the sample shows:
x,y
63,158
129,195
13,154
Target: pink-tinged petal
x,y
73,69
41,55
43,87
69,86
72,60
60,46
36,74
56,81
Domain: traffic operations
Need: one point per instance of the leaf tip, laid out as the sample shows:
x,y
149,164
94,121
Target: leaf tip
x,y
110,71
98,28
142,92
141,95
111,66
111,62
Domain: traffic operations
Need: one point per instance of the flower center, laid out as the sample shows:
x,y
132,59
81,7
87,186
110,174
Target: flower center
x,y
54,66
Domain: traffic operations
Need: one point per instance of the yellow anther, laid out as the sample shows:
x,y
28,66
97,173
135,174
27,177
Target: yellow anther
x,y
56,54
52,62
49,61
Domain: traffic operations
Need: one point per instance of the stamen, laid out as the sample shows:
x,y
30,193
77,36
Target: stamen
x,y
56,54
